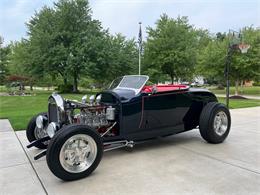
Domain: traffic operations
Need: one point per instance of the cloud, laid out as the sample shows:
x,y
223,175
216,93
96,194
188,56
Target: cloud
x,y
216,15
123,16
14,15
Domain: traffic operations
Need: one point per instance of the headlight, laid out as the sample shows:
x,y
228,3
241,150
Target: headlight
x,y
51,129
39,122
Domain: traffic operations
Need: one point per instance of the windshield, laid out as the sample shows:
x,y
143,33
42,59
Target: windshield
x,y
132,82
115,83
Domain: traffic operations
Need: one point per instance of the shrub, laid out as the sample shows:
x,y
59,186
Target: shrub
x,y
220,87
65,88
256,83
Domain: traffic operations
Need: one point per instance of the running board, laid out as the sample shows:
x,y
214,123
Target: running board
x,y
108,146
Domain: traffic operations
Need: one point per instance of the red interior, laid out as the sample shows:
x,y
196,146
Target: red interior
x,y
163,88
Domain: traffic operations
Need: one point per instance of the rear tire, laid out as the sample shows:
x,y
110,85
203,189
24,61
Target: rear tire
x,y
215,122
30,131
74,152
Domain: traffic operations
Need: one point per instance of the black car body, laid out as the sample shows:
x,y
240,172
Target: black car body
x,y
149,115
123,115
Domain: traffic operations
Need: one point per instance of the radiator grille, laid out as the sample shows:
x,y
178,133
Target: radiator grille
x,y
53,112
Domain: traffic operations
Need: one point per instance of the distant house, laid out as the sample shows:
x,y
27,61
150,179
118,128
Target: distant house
x,y
248,83
199,80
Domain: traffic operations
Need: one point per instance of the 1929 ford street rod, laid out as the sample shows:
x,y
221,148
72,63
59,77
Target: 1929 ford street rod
x,y
75,134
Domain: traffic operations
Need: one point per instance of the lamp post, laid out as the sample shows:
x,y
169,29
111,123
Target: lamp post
x,y
236,42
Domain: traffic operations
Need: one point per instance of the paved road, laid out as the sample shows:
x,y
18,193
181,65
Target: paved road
x,y
180,164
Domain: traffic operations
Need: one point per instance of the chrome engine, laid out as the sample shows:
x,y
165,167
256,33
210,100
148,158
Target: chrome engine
x,y
91,113
93,117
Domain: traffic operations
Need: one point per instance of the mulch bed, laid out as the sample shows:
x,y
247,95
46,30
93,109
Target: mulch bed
x,y
238,97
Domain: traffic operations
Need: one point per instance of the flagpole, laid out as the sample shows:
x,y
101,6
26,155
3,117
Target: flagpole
x,y
140,39
139,61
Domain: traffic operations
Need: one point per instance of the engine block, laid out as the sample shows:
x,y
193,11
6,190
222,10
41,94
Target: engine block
x,y
96,117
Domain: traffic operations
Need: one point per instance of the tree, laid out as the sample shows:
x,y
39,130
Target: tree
x,y
45,52
116,56
63,38
124,56
171,48
4,53
65,42
81,35
20,63
246,66
211,60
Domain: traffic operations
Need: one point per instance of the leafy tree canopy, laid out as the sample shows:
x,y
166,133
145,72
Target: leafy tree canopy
x,y
211,60
171,48
65,40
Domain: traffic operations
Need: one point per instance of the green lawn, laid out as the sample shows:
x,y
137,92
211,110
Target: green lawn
x,y
19,109
255,90
240,103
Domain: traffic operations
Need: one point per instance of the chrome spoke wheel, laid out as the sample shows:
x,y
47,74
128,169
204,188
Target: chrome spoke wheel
x,y
78,153
220,123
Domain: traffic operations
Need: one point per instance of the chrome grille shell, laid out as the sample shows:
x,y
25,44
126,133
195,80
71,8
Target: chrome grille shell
x,y
56,109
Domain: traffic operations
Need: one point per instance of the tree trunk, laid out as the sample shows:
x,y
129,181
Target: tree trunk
x,y
75,82
31,85
172,77
65,80
241,87
236,86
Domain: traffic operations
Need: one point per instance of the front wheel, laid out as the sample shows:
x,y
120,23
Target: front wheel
x,y
34,133
74,152
215,122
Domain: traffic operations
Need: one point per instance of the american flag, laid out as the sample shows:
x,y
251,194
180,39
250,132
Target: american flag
x,y
140,38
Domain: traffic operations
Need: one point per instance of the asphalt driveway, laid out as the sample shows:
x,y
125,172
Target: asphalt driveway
x,y
180,164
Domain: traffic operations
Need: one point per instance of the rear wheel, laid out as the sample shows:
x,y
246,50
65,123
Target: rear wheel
x,y
34,133
74,152
215,122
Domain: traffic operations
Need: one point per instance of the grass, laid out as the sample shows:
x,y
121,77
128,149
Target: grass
x,y
20,109
255,90
240,103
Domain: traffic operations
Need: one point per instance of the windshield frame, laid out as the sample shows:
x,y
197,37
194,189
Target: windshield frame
x,y
136,90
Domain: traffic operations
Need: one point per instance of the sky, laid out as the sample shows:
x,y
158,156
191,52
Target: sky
x,y
123,16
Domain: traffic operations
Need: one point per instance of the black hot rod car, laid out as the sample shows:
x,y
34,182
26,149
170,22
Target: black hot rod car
x,y
75,134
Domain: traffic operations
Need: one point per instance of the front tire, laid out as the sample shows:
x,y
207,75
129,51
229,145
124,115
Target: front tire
x,y
215,122
74,152
33,133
